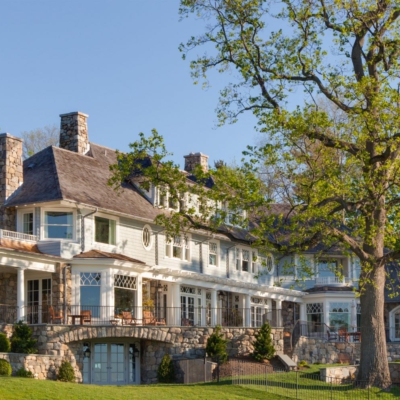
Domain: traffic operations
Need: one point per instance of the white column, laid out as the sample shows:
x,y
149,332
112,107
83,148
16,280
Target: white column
x,y
21,294
269,312
326,312
214,307
175,311
303,313
247,310
139,299
278,312
203,308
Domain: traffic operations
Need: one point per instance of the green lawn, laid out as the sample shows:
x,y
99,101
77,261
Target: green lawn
x,y
23,388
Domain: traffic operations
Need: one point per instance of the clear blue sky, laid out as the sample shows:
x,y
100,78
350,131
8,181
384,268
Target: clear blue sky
x,y
117,61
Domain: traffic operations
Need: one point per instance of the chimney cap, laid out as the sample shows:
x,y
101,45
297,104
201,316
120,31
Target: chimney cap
x,y
8,135
74,113
196,154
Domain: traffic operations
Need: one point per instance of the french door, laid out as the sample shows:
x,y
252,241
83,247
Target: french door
x,y
113,364
38,300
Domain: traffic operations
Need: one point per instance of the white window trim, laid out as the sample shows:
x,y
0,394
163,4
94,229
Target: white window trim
x,y
241,248
59,209
149,247
169,248
20,219
217,264
391,324
166,201
110,217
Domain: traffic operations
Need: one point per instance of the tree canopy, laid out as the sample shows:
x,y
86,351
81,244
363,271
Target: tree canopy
x,y
337,163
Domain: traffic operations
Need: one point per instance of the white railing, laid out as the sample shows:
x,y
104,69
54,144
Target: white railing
x,y
17,236
333,280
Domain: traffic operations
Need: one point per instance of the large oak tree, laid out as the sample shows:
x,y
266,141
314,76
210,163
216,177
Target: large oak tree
x,y
339,175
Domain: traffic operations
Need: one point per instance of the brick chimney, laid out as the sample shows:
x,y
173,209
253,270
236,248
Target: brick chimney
x,y
194,159
74,132
11,176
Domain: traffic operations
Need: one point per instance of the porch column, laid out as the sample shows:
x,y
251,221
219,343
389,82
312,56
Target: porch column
x,y
175,310
278,312
269,310
247,309
326,312
21,294
139,299
203,321
214,307
303,314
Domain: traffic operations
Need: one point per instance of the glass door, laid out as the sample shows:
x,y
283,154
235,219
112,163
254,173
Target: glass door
x,y
38,300
109,364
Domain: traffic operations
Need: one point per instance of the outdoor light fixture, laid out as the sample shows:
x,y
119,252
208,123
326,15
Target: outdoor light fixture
x,y
87,352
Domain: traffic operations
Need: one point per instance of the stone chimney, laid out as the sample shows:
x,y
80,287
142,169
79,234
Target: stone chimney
x,y
74,132
194,159
11,176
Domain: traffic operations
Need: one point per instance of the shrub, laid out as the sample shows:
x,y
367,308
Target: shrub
x,y
5,368
263,347
216,346
21,340
66,373
5,345
23,373
166,370
303,363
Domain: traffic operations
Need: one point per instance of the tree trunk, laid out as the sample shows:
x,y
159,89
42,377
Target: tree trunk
x,y
374,367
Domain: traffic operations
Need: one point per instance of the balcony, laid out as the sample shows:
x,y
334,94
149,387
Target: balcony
x,y
17,236
333,281
139,316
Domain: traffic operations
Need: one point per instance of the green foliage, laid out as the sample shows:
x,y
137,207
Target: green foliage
x,y
66,373
303,363
166,370
5,368
216,346
24,373
21,340
5,345
263,347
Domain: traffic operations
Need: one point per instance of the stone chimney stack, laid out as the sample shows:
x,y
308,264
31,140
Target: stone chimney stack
x,y
11,176
74,132
194,159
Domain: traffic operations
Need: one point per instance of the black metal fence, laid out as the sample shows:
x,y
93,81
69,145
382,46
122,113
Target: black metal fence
x,y
302,385
138,316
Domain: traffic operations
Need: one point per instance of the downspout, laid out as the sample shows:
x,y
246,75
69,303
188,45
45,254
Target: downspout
x,y
83,228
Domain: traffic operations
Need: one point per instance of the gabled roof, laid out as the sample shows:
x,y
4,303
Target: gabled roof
x,y
58,174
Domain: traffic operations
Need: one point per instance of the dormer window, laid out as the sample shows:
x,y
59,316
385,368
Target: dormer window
x,y
165,200
27,223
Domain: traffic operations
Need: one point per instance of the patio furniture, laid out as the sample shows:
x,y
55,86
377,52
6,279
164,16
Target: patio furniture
x,y
332,336
74,317
55,316
342,333
127,318
86,316
150,319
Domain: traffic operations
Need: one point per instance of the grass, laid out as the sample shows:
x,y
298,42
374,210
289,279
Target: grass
x,y
23,388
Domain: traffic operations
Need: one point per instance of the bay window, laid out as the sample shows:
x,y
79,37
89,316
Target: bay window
x,y
58,225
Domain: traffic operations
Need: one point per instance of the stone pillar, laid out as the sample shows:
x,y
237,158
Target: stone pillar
x,y
214,307
74,132
278,313
11,176
21,294
247,310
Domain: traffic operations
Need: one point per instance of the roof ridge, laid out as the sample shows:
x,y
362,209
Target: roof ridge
x,y
55,171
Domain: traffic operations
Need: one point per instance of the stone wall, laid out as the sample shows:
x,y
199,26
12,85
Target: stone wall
x,y
185,342
41,366
319,350
58,288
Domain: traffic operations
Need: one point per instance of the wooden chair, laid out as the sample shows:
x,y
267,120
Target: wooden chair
x,y
55,316
331,336
342,333
87,316
150,319
127,318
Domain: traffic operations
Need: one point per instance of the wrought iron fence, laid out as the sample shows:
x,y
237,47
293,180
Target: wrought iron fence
x,y
157,316
302,385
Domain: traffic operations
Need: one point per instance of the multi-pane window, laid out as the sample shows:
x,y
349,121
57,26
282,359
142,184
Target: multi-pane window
x,y
90,284
254,258
105,230
315,314
242,259
27,223
327,267
178,247
58,225
212,253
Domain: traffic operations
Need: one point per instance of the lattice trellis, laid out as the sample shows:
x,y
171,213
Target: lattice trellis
x,y
165,288
90,279
315,308
125,282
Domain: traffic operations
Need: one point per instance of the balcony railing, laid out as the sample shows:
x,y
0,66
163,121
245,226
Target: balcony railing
x,y
333,280
17,236
141,316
